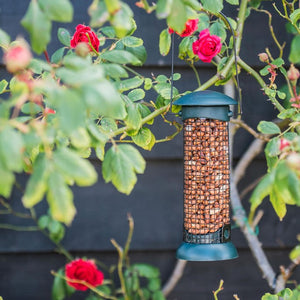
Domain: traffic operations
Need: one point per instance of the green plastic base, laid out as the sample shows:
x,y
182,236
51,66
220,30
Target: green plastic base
x,y
206,252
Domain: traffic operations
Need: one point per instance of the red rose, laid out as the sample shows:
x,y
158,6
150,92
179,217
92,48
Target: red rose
x,y
84,34
17,57
190,27
84,270
207,46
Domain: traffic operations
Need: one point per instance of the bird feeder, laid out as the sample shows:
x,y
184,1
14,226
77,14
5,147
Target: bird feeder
x,y
206,226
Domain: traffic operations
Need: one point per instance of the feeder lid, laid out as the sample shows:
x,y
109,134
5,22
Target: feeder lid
x,y
205,98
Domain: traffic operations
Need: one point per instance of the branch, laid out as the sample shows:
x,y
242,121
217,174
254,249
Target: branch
x,y
255,246
285,275
175,277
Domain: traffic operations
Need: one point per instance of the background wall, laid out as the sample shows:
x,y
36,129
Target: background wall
x,y
156,202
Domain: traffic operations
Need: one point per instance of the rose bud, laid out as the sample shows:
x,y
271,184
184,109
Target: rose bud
x,y
293,74
48,111
283,143
293,160
17,57
82,49
263,57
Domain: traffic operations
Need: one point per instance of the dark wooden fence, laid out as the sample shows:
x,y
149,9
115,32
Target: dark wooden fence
x,y
156,202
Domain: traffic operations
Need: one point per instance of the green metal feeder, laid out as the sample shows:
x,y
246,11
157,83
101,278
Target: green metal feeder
x,y
206,226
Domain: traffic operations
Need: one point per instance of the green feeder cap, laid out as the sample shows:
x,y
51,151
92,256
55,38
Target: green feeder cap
x,y
206,104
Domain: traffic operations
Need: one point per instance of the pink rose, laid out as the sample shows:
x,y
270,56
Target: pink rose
x,y
85,270
17,57
207,46
84,34
284,143
190,27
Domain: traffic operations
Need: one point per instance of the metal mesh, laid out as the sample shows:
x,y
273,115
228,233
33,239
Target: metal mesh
x,y
206,180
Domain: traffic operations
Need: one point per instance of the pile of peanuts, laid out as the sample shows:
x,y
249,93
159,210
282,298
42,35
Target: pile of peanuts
x,y
206,175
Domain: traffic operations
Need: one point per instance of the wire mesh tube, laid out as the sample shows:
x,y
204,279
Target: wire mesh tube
x,y
206,181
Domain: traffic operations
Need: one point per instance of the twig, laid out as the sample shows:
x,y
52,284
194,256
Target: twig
x,y
175,277
257,218
220,288
129,238
257,135
235,296
19,228
250,187
285,275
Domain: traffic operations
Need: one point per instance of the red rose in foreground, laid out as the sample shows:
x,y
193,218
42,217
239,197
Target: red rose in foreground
x,y
84,270
84,34
17,57
207,46
190,27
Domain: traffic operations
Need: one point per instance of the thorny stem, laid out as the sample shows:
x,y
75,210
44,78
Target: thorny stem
x,y
254,74
92,288
120,268
280,47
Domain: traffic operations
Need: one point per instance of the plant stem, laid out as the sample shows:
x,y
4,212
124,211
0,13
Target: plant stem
x,y
220,288
196,74
254,74
92,288
129,238
154,114
132,71
19,228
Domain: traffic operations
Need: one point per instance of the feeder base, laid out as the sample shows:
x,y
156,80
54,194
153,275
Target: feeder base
x,y
206,252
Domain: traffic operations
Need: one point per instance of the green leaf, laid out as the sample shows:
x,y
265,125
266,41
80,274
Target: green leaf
x,y
158,295
57,10
114,70
131,41
281,95
164,42
80,138
60,199
178,16
294,56
109,31
145,111
146,270
163,8
218,29
57,56
44,221
7,180
4,39
121,57
99,14
139,52
11,149
154,284
3,85
272,148
176,76
194,4
277,201
120,165
38,25
295,16
133,119
69,163
233,2
143,137
136,95
129,84
123,21
262,190
70,111
112,6
31,108
213,6
295,253
59,288
268,296
278,62
264,71
37,184
64,36
268,127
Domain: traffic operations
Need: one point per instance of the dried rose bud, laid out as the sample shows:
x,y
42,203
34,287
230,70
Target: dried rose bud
x,y
293,160
293,74
263,57
17,57
82,49
283,143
